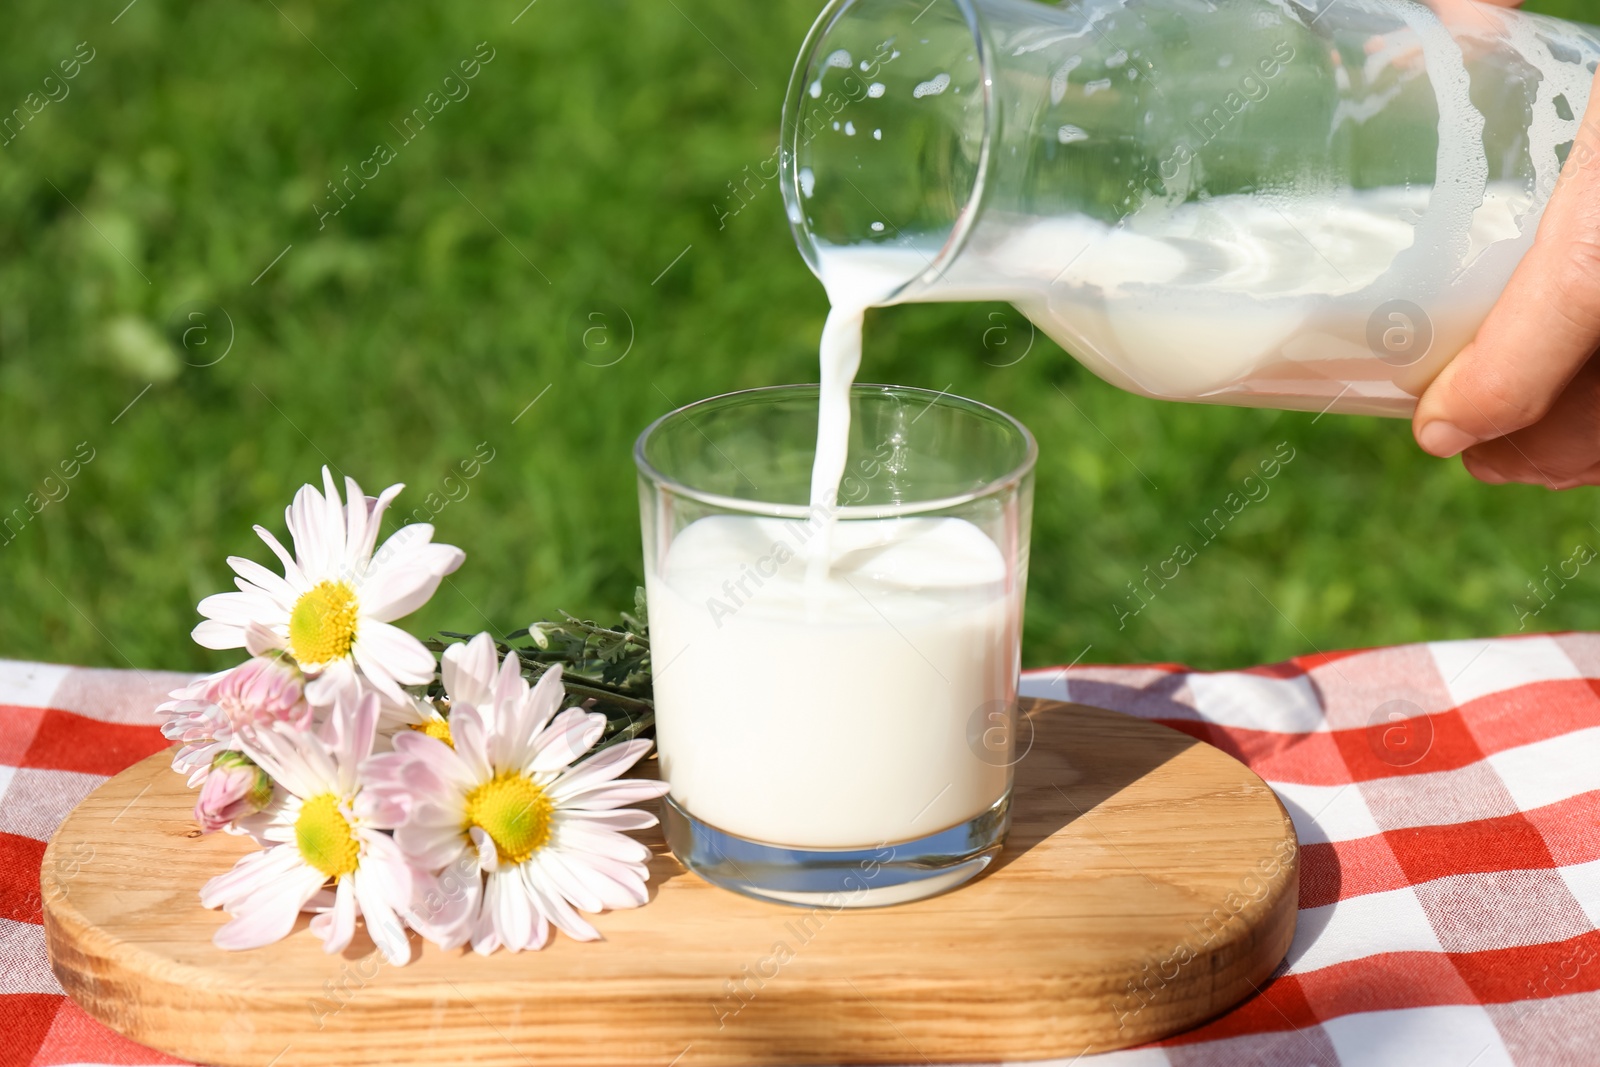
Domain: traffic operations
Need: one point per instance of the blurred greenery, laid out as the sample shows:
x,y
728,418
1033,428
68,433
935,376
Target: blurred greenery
x,y
164,207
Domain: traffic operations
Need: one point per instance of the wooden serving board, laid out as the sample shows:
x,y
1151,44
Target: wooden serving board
x,y
1149,883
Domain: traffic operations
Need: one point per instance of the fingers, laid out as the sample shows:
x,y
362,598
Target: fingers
x,y
1559,451
1542,330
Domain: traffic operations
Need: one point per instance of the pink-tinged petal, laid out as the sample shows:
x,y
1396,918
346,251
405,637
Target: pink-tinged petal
x,y
446,906
260,828
416,745
554,906
358,743
383,925
485,931
387,868
375,674
509,685
385,799
488,857
610,883
601,767
381,809
573,836
276,754
513,912
316,758
450,816
509,732
245,875
337,679
541,929
195,761
193,691
433,765
566,882
328,724
544,700
291,569
471,736
468,671
268,917
431,845
402,656
623,819
630,878
569,735
341,925
618,794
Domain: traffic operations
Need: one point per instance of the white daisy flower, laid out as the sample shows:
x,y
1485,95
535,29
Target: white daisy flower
x,y
325,832
504,791
332,608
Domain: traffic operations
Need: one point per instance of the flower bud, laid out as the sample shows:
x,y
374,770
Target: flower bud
x,y
236,787
261,691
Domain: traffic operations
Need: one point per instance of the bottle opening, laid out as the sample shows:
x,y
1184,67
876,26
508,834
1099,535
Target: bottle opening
x,y
886,131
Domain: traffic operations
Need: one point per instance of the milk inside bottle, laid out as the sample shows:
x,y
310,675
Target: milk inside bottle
x,y
1306,204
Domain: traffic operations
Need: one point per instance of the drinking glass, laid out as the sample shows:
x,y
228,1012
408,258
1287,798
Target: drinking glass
x,y
841,737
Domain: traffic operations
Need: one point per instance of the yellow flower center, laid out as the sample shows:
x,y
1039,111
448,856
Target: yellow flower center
x,y
514,812
322,626
438,729
325,837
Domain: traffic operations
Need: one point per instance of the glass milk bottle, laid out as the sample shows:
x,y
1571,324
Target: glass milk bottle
x,y
1303,204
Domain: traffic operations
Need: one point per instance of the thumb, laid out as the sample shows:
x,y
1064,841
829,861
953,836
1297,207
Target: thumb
x,y
1542,330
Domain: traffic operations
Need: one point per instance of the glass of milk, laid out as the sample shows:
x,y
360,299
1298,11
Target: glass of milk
x,y
836,687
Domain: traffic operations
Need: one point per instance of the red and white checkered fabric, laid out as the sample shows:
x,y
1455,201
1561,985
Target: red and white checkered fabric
x,y
1446,798
63,731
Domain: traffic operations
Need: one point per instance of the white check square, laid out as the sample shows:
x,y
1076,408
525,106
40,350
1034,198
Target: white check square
x,y
1361,926
1257,702
1474,669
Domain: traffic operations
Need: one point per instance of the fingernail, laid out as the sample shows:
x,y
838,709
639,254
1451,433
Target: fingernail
x,y
1444,440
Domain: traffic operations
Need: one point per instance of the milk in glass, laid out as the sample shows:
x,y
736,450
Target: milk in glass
x,y
825,683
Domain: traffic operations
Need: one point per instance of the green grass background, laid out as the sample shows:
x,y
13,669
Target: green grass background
x,y
456,288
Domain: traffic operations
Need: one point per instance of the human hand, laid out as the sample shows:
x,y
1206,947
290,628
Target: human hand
x,y
1522,401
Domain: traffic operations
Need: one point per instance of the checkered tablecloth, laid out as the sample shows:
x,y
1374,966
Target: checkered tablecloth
x,y
1445,796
